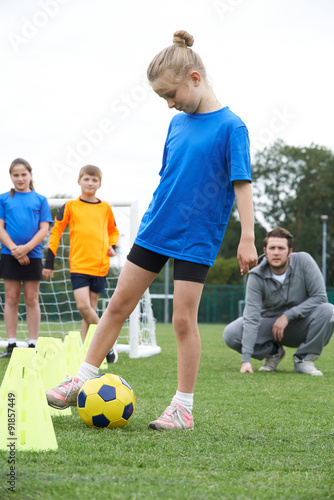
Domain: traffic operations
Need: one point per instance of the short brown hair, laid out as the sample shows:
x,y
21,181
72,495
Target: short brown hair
x,y
90,170
279,232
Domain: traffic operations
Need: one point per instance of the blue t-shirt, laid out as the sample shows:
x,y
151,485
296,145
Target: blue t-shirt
x,y
187,217
22,214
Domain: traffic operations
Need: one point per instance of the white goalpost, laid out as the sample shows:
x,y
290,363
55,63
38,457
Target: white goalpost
x,y
59,314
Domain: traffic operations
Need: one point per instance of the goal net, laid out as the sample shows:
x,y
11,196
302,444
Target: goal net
x,y
59,314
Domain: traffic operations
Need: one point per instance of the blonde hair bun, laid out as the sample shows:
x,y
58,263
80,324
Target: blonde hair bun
x,y
173,64
183,38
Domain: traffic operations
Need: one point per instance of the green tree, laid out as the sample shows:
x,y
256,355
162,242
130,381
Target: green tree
x,y
231,240
226,269
293,187
225,272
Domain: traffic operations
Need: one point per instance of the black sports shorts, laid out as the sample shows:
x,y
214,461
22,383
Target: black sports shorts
x,y
154,262
95,283
11,269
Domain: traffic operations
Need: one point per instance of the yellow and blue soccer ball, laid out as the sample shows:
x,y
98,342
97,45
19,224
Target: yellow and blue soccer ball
x,y
106,401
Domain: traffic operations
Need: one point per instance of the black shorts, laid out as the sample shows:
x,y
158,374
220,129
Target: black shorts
x,y
154,262
11,269
95,283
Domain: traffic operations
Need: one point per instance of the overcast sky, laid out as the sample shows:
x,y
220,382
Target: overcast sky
x,y
74,90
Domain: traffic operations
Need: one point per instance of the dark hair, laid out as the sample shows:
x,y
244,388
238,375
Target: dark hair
x,y
20,161
279,232
90,170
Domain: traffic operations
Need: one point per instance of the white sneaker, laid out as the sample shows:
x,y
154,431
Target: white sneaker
x,y
65,394
306,366
271,362
175,417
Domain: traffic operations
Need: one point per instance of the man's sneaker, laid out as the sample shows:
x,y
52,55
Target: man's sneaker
x,y
112,355
173,418
65,394
306,366
9,351
31,345
271,362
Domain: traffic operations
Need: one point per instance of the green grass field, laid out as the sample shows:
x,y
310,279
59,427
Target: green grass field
x,y
261,436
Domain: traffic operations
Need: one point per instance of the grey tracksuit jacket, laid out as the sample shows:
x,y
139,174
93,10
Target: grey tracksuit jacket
x,y
302,291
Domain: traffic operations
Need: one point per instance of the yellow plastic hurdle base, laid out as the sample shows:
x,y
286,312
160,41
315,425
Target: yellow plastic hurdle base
x,y
25,421
50,354
73,352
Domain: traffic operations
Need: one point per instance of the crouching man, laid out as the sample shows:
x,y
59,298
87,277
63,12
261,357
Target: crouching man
x,y
286,305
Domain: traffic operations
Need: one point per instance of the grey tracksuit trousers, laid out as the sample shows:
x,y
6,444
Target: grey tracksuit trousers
x,y
302,298
309,335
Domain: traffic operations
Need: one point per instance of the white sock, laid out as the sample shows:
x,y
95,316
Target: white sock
x,y
32,341
12,340
184,399
87,371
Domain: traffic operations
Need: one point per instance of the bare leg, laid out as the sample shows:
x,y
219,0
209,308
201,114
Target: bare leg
x,y
186,300
93,298
83,298
12,299
132,283
30,295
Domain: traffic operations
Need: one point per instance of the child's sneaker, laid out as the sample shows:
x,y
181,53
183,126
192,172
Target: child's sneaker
x,y
112,355
173,418
9,351
65,394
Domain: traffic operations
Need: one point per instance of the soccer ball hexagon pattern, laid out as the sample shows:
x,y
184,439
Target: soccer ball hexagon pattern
x,y
106,401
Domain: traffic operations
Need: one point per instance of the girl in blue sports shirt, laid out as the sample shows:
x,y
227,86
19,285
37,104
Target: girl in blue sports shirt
x,y
24,223
206,164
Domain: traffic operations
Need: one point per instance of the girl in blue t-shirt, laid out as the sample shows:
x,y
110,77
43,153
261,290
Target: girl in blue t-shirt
x,y
24,223
206,163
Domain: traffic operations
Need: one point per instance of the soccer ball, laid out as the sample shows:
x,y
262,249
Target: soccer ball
x,y
106,401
